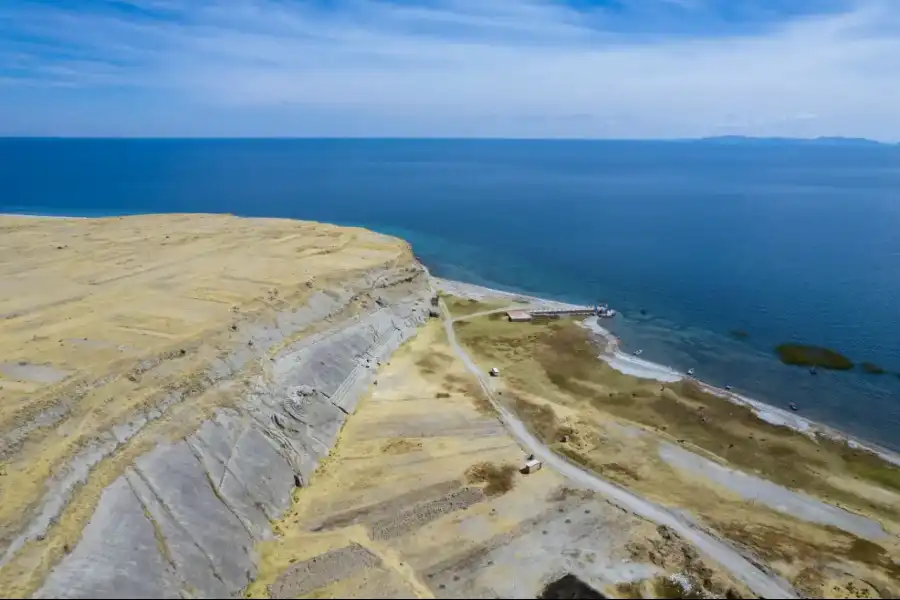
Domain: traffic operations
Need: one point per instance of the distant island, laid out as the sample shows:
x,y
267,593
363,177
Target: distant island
x,y
825,141
813,356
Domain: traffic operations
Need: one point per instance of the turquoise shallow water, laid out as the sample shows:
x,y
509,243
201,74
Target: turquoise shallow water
x,y
790,242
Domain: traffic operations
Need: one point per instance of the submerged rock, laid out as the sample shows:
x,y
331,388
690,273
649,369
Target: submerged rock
x,y
813,356
871,368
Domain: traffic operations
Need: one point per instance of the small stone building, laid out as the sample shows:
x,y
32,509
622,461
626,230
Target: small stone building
x,y
518,316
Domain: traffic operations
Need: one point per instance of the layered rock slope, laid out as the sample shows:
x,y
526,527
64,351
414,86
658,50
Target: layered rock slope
x,y
167,381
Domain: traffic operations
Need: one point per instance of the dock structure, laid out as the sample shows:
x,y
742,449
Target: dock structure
x,y
600,310
563,312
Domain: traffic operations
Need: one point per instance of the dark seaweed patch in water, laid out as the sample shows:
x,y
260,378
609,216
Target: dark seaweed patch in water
x,y
872,368
569,587
813,356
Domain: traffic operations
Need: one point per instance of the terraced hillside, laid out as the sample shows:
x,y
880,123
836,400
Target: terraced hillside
x,y
167,381
423,498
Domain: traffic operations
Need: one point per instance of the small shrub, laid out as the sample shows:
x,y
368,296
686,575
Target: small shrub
x,y
499,479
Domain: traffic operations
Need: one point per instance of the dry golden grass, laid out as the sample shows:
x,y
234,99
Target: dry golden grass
x,y
558,361
461,307
401,446
365,470
129,310
809,549
552,368
499,478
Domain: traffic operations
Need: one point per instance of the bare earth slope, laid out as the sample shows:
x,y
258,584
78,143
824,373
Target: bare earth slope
x,y
421,498
166,381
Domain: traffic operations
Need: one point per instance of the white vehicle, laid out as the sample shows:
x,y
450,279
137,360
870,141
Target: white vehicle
x,y
494,371
531,466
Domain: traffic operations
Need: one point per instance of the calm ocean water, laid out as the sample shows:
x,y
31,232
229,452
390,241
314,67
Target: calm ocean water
x,y
689,240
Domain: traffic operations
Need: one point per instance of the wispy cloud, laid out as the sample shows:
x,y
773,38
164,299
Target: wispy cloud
x,y
626,68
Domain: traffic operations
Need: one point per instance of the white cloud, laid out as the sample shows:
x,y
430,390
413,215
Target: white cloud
x,y
491,67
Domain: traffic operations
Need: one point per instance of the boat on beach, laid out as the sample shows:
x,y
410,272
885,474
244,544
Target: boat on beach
x,y
638,352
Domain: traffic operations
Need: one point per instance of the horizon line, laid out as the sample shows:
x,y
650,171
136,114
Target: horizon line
x,y
824,139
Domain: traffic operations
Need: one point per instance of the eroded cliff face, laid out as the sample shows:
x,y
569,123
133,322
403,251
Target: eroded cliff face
x,y
169,380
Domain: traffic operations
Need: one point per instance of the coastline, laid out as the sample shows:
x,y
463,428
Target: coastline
x,y
637,367
627,363
29,216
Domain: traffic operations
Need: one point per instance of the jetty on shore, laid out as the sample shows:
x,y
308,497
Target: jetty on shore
x,y
599,310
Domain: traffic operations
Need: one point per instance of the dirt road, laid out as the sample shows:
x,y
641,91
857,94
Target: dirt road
x,y
762,583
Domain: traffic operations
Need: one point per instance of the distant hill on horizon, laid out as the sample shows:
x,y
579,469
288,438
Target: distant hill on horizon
x,y
824,140
723,139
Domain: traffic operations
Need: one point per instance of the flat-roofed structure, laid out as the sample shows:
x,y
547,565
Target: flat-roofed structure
x,y
518,316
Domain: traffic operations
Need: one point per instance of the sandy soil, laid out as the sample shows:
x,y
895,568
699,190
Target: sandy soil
x,y
102,319
421,498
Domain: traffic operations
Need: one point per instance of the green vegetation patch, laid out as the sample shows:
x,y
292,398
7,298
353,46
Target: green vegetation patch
x,y
461,307
813,356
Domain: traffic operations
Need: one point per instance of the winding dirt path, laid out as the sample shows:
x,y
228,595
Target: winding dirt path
x,y
759,581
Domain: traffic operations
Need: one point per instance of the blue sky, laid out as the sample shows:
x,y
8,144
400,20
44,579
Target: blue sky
x,y
485,68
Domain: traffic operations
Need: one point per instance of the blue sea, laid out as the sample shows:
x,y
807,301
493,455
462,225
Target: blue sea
x,y
688,240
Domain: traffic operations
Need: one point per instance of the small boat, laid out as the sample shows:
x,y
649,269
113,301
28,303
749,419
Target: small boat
x,y
638,352
812,370
691,372
727,388
793,406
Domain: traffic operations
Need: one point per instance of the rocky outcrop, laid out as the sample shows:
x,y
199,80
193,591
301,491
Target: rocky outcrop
x,y
183,519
